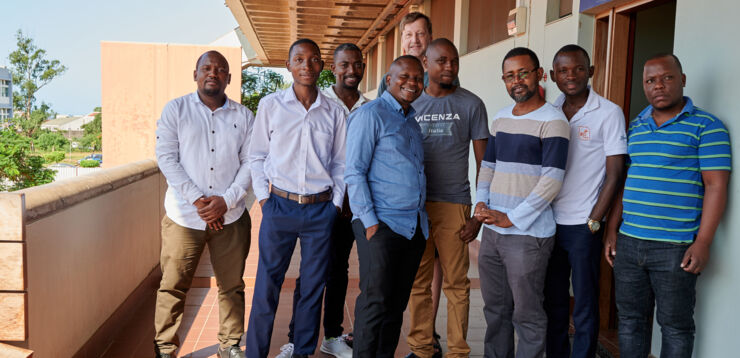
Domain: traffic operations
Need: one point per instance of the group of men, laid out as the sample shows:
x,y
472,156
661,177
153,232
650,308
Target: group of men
x,y
330,168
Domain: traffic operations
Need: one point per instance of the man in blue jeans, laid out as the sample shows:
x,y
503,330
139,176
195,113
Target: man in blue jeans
x,y
593,174
673,200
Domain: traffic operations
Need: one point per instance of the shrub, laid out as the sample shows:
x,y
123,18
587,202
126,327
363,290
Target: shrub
x,y
89,163
54,157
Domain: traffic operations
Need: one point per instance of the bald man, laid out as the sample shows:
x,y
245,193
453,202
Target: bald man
x,y
202,141
386,184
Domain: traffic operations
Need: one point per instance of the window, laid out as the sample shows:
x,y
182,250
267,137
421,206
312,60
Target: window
x,y
4,113
557,9
4,88
487,22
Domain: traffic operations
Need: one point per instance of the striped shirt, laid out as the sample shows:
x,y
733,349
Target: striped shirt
x,y
664,193
523,168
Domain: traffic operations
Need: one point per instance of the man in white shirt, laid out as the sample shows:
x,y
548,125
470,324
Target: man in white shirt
x,y
202,141
593,173
297,162
348,70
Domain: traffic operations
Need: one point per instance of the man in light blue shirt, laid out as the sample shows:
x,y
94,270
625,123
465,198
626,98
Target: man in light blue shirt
x,y
297,162
387,189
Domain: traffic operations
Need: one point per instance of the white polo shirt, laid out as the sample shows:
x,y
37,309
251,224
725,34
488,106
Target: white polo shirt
x,y
597,131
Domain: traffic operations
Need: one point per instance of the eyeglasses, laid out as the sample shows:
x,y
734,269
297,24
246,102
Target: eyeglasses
x,y
521,75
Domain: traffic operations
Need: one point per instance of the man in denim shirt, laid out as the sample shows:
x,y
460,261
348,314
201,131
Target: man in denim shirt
x,y
387,189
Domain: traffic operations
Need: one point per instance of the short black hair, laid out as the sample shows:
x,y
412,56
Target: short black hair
x,y
666,54
522,51
406,57
441,41
301,42
347,46
211,52
570,49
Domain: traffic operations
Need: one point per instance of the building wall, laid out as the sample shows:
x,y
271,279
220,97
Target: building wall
x,y
138,79
704,46
6,102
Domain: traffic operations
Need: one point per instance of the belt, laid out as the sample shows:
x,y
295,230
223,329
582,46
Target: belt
x,y
303,199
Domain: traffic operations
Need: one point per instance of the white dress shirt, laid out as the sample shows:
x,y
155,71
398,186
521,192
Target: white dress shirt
x,y
298,150
329,93
203,153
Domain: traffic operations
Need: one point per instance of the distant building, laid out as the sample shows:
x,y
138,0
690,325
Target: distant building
x,y
6,95
71,125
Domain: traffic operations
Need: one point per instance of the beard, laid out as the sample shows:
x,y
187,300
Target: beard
x,y
446,85
211,91
523,97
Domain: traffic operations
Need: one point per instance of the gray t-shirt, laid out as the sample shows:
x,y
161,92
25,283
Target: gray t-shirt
x,y
448,124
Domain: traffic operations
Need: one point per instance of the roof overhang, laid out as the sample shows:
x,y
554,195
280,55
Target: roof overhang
x,y
270,26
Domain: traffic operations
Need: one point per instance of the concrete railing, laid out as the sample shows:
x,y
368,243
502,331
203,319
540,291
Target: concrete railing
x,y
71,252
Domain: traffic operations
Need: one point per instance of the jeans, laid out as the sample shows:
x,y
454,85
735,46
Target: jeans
x,y
646,273
342,239
575,258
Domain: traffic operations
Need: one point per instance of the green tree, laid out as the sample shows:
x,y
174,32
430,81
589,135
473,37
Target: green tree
x,y
258,82
54,157
326,79
19,169
52,141
31,71
93,135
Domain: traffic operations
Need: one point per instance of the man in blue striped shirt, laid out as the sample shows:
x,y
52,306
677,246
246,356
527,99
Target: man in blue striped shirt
x,y
674,197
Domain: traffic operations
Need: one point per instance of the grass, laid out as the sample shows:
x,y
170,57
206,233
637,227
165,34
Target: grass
x,y
69,159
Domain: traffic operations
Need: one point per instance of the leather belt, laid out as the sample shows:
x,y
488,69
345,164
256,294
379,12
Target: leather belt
x,y
303,199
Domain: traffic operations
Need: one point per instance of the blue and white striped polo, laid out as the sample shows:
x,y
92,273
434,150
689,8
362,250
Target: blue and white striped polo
x,y
664,192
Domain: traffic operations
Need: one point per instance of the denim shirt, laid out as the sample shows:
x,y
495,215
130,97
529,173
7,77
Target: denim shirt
x,y
385,167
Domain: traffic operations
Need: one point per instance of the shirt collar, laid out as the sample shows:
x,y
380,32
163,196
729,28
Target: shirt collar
x,y
647,114
329,92
592,102
196,99
289,95
391,101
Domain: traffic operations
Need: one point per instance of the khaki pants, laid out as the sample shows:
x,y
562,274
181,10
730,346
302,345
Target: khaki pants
x,y
181,250
446,221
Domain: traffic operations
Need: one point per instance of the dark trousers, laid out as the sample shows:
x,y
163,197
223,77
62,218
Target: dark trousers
x,y
342,239
575,258
645,273
388,265
283,222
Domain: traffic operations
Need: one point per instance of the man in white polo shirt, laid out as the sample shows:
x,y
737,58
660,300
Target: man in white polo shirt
x,y
594,170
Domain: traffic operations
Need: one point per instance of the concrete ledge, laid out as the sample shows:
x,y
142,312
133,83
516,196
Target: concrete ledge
x,y
44,200
8,351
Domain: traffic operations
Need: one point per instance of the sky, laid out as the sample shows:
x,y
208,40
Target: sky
x,y
71,31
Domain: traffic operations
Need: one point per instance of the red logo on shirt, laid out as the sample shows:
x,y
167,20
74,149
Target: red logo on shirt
x,y
584,133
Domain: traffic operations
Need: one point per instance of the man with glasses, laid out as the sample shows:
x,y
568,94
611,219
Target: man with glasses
x,y
521,173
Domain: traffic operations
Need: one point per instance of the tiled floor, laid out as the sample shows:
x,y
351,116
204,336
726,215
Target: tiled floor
x,y
199,326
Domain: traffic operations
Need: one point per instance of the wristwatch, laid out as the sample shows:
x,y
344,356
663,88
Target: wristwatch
x,y
594,225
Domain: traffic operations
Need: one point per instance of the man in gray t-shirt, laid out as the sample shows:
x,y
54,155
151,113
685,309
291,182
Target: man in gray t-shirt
x,y
450,118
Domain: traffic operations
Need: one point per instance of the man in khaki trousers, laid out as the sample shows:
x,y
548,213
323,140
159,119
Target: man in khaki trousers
x,y
202,141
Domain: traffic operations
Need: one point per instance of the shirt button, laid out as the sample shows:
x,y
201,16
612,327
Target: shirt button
x,y
210,187
211,168
213,132
212,149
